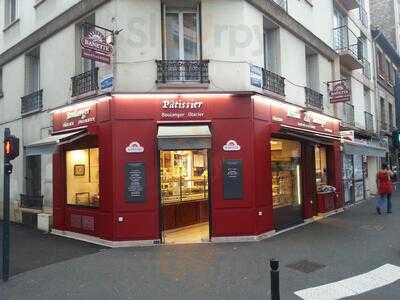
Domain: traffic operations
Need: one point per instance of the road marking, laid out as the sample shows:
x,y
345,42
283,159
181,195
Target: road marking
x,y
353,286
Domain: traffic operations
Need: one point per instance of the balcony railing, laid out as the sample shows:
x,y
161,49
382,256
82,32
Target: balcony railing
x,y
314,99
346,41
33,202
85,82
348,117
282,3
273,82
182,70
367,68
369,122
32,103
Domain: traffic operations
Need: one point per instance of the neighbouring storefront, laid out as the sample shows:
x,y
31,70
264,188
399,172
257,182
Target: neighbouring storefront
x,y
191,167
360,163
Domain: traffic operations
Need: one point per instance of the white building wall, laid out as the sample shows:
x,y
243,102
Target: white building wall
x,y
30,19
293,67
316,17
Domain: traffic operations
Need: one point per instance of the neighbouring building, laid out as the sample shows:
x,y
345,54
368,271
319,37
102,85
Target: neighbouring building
x,y
387,62
148,121
385,16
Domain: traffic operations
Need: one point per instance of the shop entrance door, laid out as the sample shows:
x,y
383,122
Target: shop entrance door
x,y
184,196
286,183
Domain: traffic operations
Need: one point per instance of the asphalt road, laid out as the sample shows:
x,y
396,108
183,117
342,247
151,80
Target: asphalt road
x,y
341,246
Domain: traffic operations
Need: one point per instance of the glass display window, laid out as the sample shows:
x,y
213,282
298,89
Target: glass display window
x,y
321,173
184,176
286,184
82,172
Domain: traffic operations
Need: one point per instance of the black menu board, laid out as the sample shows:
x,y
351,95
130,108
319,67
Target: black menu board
x,y
135,183
233,179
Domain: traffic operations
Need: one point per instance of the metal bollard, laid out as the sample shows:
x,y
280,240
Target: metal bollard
x,y
274,264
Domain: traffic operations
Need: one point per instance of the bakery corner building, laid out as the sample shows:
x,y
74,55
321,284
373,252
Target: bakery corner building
x,y
168,168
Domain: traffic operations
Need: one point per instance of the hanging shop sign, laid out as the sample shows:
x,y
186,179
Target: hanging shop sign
x,y
347,135
231,145
182,109
339,91
76,117
95,46
134,147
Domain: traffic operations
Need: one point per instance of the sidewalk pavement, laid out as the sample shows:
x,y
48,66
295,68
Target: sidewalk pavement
x,y
341,246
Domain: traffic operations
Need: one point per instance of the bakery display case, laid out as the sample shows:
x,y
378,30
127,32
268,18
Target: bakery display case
x,y
283,184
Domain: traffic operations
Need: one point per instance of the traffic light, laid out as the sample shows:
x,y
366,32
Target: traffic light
x,y
11,147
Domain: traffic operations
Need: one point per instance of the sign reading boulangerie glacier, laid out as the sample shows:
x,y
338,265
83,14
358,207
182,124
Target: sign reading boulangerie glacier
x,y
95,47
339,90
75,117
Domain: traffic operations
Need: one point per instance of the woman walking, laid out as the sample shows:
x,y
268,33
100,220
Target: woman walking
x,y
385,189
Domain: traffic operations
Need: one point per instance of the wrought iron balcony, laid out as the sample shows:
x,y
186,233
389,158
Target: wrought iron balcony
x,y
85,82
33,202
346,44
182,70
348,114
367,68
273,82
314,99
32,103
369,122
282,3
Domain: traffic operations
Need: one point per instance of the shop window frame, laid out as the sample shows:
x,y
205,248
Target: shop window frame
x,y
85,143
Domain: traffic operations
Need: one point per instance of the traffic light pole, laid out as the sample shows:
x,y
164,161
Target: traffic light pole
x,y
6,213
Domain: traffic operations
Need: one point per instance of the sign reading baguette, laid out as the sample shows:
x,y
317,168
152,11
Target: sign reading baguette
x,y
339,91
95,46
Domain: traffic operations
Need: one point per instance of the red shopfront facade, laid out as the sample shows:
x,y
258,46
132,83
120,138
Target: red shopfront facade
x,y
121,135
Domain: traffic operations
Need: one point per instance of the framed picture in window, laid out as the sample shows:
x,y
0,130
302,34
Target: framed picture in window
x,y
79,170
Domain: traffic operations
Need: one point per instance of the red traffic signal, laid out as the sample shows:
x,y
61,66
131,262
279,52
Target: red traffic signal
x,y
11,147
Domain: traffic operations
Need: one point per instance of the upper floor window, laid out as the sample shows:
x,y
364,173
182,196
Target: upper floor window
x,y
382,111
389,71
379,61
271,48
390,115
182,31
83,64
11,11
32,71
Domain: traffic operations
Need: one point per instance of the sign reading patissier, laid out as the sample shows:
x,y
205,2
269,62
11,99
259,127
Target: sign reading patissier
x,y
75,117
182,109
